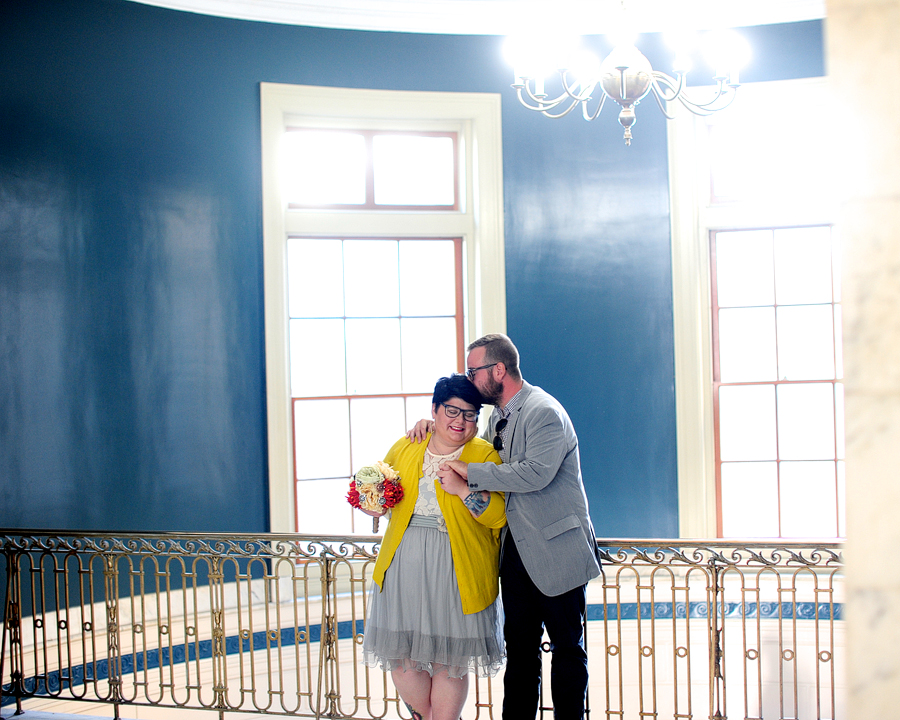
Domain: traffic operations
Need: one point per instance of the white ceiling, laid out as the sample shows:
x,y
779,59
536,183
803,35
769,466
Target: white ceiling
x,y
502,17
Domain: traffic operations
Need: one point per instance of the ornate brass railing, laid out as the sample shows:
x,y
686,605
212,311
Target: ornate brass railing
x,y
273,624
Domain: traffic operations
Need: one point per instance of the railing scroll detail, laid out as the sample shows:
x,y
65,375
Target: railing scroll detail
x,y
273,624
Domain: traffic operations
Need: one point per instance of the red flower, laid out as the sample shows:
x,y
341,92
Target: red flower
x,y
393,493
353,495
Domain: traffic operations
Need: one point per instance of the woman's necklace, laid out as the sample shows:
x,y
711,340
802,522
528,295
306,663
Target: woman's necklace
x,y
433,448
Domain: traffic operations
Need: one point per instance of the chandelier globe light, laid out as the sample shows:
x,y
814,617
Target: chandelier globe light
x,y
625,75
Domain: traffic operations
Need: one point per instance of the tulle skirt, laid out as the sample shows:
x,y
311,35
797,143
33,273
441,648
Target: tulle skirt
x,y
416,621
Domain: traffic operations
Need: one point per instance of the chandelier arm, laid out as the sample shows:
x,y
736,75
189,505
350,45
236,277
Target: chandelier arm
x,y
541,99
593,116
679,92
545,108
721,91
663,101
705,109
540,104
661,80
574,104
563,76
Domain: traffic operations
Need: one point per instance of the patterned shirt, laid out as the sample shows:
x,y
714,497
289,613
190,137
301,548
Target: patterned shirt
x,y
514,404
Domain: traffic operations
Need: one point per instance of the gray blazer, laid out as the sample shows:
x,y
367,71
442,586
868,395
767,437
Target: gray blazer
x,y
546,507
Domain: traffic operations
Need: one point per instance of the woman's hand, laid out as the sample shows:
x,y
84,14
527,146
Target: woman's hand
x,y
373,513
452,482
420,431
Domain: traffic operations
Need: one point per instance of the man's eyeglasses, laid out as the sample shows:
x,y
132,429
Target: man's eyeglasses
x,y
498,428
470,372
452,411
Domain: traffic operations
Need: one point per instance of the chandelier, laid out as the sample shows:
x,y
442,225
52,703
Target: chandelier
x,y
625,76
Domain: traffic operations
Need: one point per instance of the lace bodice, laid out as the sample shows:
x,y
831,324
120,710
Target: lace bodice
x,y
426,502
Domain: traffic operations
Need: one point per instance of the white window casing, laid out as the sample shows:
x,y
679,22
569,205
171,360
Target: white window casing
x,y
479,221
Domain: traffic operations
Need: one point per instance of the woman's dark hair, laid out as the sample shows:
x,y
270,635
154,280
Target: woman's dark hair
x,y
457,385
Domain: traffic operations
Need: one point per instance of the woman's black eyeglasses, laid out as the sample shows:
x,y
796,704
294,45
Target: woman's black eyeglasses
x,y
452,411
498,441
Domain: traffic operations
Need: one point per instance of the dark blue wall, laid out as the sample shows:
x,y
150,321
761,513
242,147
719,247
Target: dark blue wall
x,y
132,386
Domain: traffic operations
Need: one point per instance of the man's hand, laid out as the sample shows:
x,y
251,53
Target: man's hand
x,y
459,467
420,431
452,482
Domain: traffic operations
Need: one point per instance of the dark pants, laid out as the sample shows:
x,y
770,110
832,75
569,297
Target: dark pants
x,y
528,611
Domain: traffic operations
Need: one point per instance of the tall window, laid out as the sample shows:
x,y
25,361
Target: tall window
x,y
757,317
373,321
373,324
381,263
777,366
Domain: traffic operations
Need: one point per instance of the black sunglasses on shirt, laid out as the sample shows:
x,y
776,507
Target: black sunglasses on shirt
x,y
498,441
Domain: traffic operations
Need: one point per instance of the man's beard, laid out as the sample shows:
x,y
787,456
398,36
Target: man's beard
x,y
493,392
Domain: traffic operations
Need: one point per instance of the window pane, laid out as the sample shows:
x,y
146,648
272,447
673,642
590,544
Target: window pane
x,y
429,352
749,500
747,422
418,408
806,421
324,168
805,342
803,265
842,501
317,358
838,342
375,425
373,356
322,508
745,272
315,278
413,170
428,278
808,499
839,418
836,264
370,276
747,344
321,424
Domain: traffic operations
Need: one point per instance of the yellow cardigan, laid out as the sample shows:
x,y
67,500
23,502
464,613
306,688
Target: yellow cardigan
x,y
474,543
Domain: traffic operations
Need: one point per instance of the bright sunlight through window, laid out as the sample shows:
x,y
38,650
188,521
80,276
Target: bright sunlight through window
x,y
365,168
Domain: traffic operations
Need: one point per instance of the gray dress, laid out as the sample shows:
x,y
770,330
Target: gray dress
x,y
416,622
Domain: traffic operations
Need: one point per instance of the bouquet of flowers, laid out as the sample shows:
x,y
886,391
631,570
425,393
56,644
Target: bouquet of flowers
x,y
375,487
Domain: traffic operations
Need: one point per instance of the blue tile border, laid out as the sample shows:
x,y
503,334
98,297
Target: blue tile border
x,y
732,610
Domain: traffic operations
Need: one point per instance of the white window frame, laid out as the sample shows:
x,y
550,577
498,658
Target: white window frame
x,y
479,221
693,218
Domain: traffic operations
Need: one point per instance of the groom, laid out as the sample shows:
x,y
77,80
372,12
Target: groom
x,y
549,550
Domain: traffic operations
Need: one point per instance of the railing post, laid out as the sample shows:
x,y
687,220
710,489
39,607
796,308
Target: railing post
x,y
113,656
12,615
327,645
217,610
716,635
